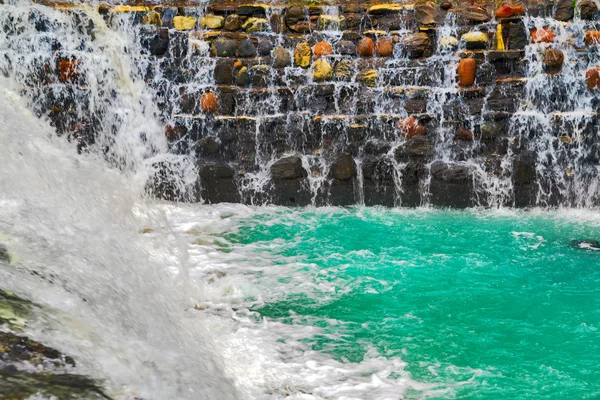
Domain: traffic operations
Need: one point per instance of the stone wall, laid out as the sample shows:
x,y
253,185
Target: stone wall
x,y
364,102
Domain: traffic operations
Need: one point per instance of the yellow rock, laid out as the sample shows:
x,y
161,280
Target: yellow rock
x,y
184,23
212,21
385,8
152,18
322,70
302,55
130,9
368,77
475,37
255,25
448,41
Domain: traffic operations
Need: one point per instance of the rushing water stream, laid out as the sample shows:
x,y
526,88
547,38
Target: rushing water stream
x,y
189,301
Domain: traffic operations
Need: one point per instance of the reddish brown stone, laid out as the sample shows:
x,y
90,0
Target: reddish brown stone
x,y
592,78
68,70
366,47
410,127
174,132
463,134
553,61
446,5
592,37
322,49
509,10
543,35
209,102
385,47
466,71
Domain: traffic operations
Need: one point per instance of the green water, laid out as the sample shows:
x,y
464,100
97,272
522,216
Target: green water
x,y
488,305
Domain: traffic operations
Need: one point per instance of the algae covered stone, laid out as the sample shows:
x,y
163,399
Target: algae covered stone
x,y
181,23
368,77
385,8
322,70
212,22
152,18
303,55
343,70
254,24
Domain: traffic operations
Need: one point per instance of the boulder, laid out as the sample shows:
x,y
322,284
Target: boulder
x,y
223,47
281,57
343,70
475,40
592,37
417,45
254,24
463,135
425,13
385,47
475,14
410,127
542,35
366,47
379,9
588,10
322,49
343,168
415,147
564,10
246,49
466,71
182,23
368,77
211,21
303,55
232,23
509,10
242,78
553,61
209,102
288,168
322,70
592,78
345,48
264,47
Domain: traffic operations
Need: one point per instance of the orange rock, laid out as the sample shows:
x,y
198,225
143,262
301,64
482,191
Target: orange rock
x,y
592,78
68,69
209,102
466,71
543,35
238,64
366,47
385,47
592,37
410,127
322,49
509,10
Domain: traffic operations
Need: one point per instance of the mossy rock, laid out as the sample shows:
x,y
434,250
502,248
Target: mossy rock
x,y
253,25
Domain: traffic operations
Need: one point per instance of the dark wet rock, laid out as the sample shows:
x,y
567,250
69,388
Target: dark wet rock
x,y
4,254
157,43
418,146
586,244
276,22
516,33
588,9
243,77
451,184
345,48
296,19
564,10
417,45
163,182
223,47
168,15
224,73
260,75
475,14
264,47
524,171
343,168
288,168
246,49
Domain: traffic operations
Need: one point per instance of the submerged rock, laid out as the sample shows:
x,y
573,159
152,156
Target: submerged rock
x,y
586,244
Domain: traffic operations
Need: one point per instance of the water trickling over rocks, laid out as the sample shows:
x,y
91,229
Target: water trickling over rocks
x,y
411,103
